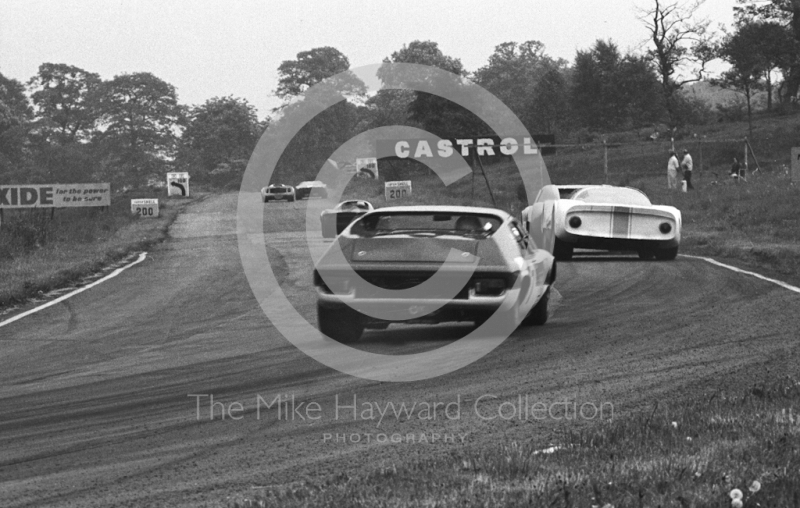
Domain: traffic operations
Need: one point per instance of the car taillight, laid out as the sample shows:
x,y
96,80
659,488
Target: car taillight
x,y
490,287
575,222
665,227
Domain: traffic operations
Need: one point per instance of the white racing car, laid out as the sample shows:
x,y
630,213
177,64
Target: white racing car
x,y
603,217
277,192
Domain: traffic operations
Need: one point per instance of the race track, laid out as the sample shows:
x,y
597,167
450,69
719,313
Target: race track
x,y
95,405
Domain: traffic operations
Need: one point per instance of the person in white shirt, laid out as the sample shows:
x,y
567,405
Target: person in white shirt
x,y
686,164
672,171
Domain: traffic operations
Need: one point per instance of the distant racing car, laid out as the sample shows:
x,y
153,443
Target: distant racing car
x,y
385,258
336,219
277,192
309,188
604,217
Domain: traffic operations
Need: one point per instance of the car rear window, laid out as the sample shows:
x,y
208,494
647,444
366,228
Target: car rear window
x,y
612,195
277,190
431,224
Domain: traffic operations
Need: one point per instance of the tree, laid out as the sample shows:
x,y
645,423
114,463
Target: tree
x,y
679,42
139,122
785,13
530,83
64,97
309,79
15,115
434,113
313,66
390,107
318,138
772,46
220,135
747,65
612,91
512,73
550,103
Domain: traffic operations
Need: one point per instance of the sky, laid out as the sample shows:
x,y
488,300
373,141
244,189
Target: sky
x,y
218,48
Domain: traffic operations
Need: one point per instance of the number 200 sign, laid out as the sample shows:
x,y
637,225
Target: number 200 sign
x,y
397,190
145,207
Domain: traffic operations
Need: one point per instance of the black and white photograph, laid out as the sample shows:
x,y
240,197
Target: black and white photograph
x,y
271,253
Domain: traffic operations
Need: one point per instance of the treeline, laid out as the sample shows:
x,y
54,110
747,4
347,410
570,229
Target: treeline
x,y
67,125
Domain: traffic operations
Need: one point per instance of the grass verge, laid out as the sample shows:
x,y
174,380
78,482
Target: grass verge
x,y
38,254
693,453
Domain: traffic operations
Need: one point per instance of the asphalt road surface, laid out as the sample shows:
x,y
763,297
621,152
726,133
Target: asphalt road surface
x,y
105,398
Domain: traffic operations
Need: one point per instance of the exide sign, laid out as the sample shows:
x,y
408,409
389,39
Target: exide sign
x,y
55,196
26,196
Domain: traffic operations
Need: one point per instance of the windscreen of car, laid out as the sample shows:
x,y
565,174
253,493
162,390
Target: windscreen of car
x,y
352,206
612,196
426,224
277,190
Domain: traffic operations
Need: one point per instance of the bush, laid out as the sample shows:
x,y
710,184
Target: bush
x,y
690,110
23,231
733,110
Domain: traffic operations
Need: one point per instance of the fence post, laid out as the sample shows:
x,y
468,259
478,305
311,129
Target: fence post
x,y
701,153
753,153
605,159
745,159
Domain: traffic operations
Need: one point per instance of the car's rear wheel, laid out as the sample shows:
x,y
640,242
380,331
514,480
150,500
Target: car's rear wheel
x,y
667,254
341,325
562,251
646,254
538,314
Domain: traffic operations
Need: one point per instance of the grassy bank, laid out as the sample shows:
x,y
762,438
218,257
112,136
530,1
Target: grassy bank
x,y
755,225
39,253
692,452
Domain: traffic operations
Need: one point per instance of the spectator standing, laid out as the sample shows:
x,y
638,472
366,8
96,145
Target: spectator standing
x,y
735,168
672,171
687,166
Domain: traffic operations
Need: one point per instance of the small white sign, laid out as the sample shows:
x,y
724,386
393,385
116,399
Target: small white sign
x,y
145,207
397,190
178,184
368,166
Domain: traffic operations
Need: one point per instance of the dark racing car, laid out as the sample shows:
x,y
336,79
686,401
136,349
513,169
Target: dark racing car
x,y
339,217
382,269
308,189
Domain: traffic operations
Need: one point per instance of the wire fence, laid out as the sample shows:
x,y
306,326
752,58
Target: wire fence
x,y
615,162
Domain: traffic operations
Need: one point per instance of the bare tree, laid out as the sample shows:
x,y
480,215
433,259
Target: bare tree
x,y
681,45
